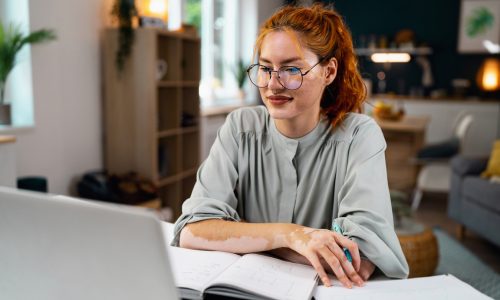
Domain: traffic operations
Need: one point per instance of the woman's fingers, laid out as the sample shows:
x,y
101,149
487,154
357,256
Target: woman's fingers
x,y
344,242
336,266
314,260
366,269
345,264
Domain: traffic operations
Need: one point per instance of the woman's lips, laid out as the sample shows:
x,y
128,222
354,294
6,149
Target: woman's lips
x,y
278,100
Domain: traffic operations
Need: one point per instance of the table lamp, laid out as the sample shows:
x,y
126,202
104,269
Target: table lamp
x,y
488,76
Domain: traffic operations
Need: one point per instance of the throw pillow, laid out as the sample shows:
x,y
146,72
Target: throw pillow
x,y
444,149
493,167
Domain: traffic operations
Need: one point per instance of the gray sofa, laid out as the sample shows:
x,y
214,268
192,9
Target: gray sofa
x,y
473,201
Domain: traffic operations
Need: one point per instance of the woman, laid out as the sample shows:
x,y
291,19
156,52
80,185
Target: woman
x,y
301,163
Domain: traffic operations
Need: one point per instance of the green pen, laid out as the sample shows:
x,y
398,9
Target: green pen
x,y
337,229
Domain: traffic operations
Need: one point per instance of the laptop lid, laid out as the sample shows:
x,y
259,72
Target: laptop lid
x,y
65,248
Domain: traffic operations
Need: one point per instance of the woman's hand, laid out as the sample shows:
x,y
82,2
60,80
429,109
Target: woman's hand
x,y
366,269
316,245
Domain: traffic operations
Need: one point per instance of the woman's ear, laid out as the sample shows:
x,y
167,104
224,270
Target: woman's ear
x,y
331,70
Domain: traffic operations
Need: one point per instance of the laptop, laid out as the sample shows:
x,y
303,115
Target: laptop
x,y
55,247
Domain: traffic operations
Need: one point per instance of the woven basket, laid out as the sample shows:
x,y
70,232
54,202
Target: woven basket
x,y
421,252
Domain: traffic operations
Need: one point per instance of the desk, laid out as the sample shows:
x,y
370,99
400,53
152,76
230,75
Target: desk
x,y
404,138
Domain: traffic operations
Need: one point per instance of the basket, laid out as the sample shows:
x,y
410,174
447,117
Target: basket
x,y
421,252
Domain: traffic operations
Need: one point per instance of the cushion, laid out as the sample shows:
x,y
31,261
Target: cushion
x,y
445,149
493,167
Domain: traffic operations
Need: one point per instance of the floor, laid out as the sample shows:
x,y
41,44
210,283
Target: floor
x,y
432,212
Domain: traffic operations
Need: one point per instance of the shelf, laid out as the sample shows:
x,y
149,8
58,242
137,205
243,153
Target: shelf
x,y
190,129
412,51
154,129
188,173
174,83
170,132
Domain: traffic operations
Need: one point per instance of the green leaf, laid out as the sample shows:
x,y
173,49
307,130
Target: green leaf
x,y
12,40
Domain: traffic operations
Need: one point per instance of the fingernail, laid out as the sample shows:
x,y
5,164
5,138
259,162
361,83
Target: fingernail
x,y
326,281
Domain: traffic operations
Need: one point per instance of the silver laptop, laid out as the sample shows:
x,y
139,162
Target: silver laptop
x,y
65,248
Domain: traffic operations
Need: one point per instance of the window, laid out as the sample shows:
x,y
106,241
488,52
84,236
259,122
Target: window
x,y
217,22
19,90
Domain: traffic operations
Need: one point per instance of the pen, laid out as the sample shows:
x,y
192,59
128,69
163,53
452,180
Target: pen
x,y
336,228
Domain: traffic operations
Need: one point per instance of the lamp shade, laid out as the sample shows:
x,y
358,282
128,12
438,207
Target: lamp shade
x,y
488,76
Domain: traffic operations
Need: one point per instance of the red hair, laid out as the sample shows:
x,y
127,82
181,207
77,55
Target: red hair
x,y
323,31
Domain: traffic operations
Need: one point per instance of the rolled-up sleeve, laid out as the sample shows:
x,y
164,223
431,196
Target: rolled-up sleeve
x,y
213,195
365,212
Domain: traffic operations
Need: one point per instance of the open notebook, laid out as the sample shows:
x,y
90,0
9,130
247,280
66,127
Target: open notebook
x,y
255,276
251,276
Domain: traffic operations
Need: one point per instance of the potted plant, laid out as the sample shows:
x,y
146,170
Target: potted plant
x,y
12,40
240,74
124,13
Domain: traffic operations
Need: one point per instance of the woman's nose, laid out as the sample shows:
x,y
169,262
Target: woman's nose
x,y
274,82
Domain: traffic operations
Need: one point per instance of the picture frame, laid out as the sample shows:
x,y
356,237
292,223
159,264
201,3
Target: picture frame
x,y
479,26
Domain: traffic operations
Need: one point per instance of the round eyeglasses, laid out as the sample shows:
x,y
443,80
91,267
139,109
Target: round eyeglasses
x,y
289,77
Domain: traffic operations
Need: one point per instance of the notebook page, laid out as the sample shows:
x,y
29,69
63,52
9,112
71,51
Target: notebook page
x,y
270,277
434,287
195,269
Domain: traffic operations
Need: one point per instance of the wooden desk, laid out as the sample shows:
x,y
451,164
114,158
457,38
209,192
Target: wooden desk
x,y
404,138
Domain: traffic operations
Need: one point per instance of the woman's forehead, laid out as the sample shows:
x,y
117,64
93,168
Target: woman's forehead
x,y
283,45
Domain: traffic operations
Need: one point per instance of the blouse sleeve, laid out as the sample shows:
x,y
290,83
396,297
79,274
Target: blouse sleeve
x,y
213,195
365,213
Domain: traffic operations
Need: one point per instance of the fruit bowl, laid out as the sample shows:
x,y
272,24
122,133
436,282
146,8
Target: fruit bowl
x,y
384,111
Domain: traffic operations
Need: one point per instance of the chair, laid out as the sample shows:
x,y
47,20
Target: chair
x,y
473,200
434,175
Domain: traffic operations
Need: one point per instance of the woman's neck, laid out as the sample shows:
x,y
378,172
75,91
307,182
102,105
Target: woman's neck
x,y
297,127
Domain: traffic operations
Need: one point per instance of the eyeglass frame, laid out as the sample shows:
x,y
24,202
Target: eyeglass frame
x,y
278,74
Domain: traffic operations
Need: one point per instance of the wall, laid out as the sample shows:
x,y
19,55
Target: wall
x,y
66,139
434,23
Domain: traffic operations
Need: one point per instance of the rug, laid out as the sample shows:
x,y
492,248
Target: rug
x,y
457,260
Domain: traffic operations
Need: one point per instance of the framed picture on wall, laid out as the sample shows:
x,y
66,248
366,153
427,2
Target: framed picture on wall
x,y
479,28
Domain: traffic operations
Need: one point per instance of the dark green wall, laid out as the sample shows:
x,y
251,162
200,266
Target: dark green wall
x,y
435,22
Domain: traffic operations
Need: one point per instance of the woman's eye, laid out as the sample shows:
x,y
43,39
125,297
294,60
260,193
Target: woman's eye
x,y
264,69
292,70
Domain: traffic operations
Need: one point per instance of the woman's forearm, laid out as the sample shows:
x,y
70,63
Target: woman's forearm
x,y
235,237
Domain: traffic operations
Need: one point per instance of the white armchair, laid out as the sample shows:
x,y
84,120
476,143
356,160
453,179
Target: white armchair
x,y
435,173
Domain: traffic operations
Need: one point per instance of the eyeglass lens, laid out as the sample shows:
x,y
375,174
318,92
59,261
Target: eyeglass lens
x,y
289,77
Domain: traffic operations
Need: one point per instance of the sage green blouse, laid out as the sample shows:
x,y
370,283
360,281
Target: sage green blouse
x,y
255,173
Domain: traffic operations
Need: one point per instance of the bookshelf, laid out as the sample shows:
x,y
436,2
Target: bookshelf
x,y
152,122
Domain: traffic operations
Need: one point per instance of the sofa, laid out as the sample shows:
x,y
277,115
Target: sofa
x,y
474,202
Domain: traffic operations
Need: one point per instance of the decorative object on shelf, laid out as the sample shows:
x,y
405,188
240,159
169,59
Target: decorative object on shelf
x,y
405,39
161,69
479,26
12,40
124,11
488,75
460,87
153,13
427,80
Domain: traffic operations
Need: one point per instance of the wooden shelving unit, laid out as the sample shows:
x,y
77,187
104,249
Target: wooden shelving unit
x,y
152,125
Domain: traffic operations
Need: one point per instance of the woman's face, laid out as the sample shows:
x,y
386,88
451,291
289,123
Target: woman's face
x,y
302,105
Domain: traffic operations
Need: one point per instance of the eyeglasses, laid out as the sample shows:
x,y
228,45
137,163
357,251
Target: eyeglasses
x,y
289,77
